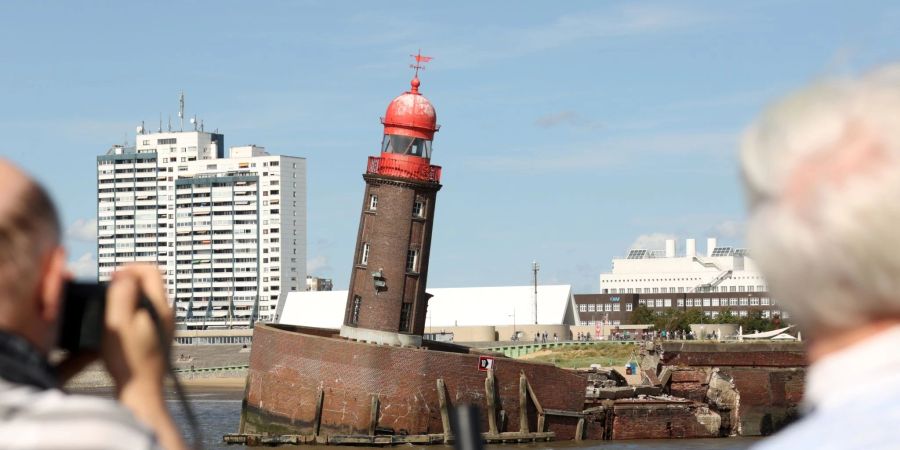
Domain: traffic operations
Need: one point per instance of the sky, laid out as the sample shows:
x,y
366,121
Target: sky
x,y
570,131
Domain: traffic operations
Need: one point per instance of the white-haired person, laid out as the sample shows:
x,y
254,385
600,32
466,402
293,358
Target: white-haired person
x,y
822,174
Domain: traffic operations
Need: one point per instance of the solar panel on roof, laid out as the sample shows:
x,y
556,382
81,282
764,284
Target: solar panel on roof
x,y
639,253
741,252
723,251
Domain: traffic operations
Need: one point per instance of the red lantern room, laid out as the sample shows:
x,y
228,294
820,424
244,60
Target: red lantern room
x,y
409,126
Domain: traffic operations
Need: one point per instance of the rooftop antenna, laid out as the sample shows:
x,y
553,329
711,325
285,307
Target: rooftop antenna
x,y
170,123
181,109
420,59
201,124
160,124
194,122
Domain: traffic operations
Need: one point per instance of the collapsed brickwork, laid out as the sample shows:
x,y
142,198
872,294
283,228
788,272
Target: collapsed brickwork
x,y
755,387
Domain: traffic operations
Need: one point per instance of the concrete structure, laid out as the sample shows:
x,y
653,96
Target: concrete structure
x,y
648,271
475,314
318,284
721,279
228,233
386,301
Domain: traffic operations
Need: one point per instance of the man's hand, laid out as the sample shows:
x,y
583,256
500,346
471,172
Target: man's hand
x,y
132,348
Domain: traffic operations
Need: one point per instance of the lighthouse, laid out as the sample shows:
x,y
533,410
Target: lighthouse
x,y
386,302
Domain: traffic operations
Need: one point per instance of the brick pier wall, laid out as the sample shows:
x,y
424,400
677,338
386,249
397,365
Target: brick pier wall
x,y
288,368
769,378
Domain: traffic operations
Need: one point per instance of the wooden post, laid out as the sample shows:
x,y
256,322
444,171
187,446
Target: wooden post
x,y
445,414
491,402
320,400
523,403
373,415
579,430
542,418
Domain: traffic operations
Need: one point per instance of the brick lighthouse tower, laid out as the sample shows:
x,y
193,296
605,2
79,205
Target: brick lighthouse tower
x,y
386,302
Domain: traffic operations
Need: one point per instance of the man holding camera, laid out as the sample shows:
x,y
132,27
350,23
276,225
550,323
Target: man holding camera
x,y
34,412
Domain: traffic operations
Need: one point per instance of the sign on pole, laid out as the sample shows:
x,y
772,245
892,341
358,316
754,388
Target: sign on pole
x,y
485,363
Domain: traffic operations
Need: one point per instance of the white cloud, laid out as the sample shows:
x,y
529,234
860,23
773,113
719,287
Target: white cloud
x,y
317,264
729,229
652,241
607,153
490,44
84,230
570,118
85,267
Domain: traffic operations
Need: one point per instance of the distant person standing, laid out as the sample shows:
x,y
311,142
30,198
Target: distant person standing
x,y
822,175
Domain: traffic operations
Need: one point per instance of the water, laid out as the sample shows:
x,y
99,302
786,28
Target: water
x,y
219,410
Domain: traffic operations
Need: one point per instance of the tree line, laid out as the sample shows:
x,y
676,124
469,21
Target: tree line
x,y
674,319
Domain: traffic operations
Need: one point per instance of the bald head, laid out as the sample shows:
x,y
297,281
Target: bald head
x,y
29,228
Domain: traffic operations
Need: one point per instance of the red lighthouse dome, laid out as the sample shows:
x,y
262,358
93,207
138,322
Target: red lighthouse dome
x,y
411,114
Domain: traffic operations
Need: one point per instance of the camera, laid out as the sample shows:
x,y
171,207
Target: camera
x,y
81,326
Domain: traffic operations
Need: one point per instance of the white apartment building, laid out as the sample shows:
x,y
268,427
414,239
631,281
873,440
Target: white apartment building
x,y
228,232
650,271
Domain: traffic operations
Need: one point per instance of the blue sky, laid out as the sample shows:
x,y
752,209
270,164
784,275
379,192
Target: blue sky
x,y
570,130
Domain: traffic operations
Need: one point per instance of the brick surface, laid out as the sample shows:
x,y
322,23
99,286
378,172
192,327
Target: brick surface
x,y
284,380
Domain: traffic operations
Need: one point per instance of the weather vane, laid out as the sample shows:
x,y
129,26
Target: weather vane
x,y
420,59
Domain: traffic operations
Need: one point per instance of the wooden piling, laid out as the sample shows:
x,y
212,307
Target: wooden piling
x,y
523,403
445,413
320,400
537,405
579,430
373,415
491,402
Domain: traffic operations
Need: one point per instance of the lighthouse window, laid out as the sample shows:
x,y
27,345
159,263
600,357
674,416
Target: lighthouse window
x,y
412,257
406,145
373,202
404,316
364,254
354,313
418,209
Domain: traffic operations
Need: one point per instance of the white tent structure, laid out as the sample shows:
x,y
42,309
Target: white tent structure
x,y
449,307
774,334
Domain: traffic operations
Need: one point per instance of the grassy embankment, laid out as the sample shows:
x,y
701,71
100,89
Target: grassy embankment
x,y
606,354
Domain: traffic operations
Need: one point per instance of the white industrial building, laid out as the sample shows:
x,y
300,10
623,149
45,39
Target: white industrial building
x,y
227,231
472,314
649,271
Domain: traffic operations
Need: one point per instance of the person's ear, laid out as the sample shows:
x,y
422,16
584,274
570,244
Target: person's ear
x,y
52,285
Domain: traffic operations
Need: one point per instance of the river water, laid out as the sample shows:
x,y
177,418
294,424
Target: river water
x,y
219,409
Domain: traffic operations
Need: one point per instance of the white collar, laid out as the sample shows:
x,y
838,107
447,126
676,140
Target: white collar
x,y
828,381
